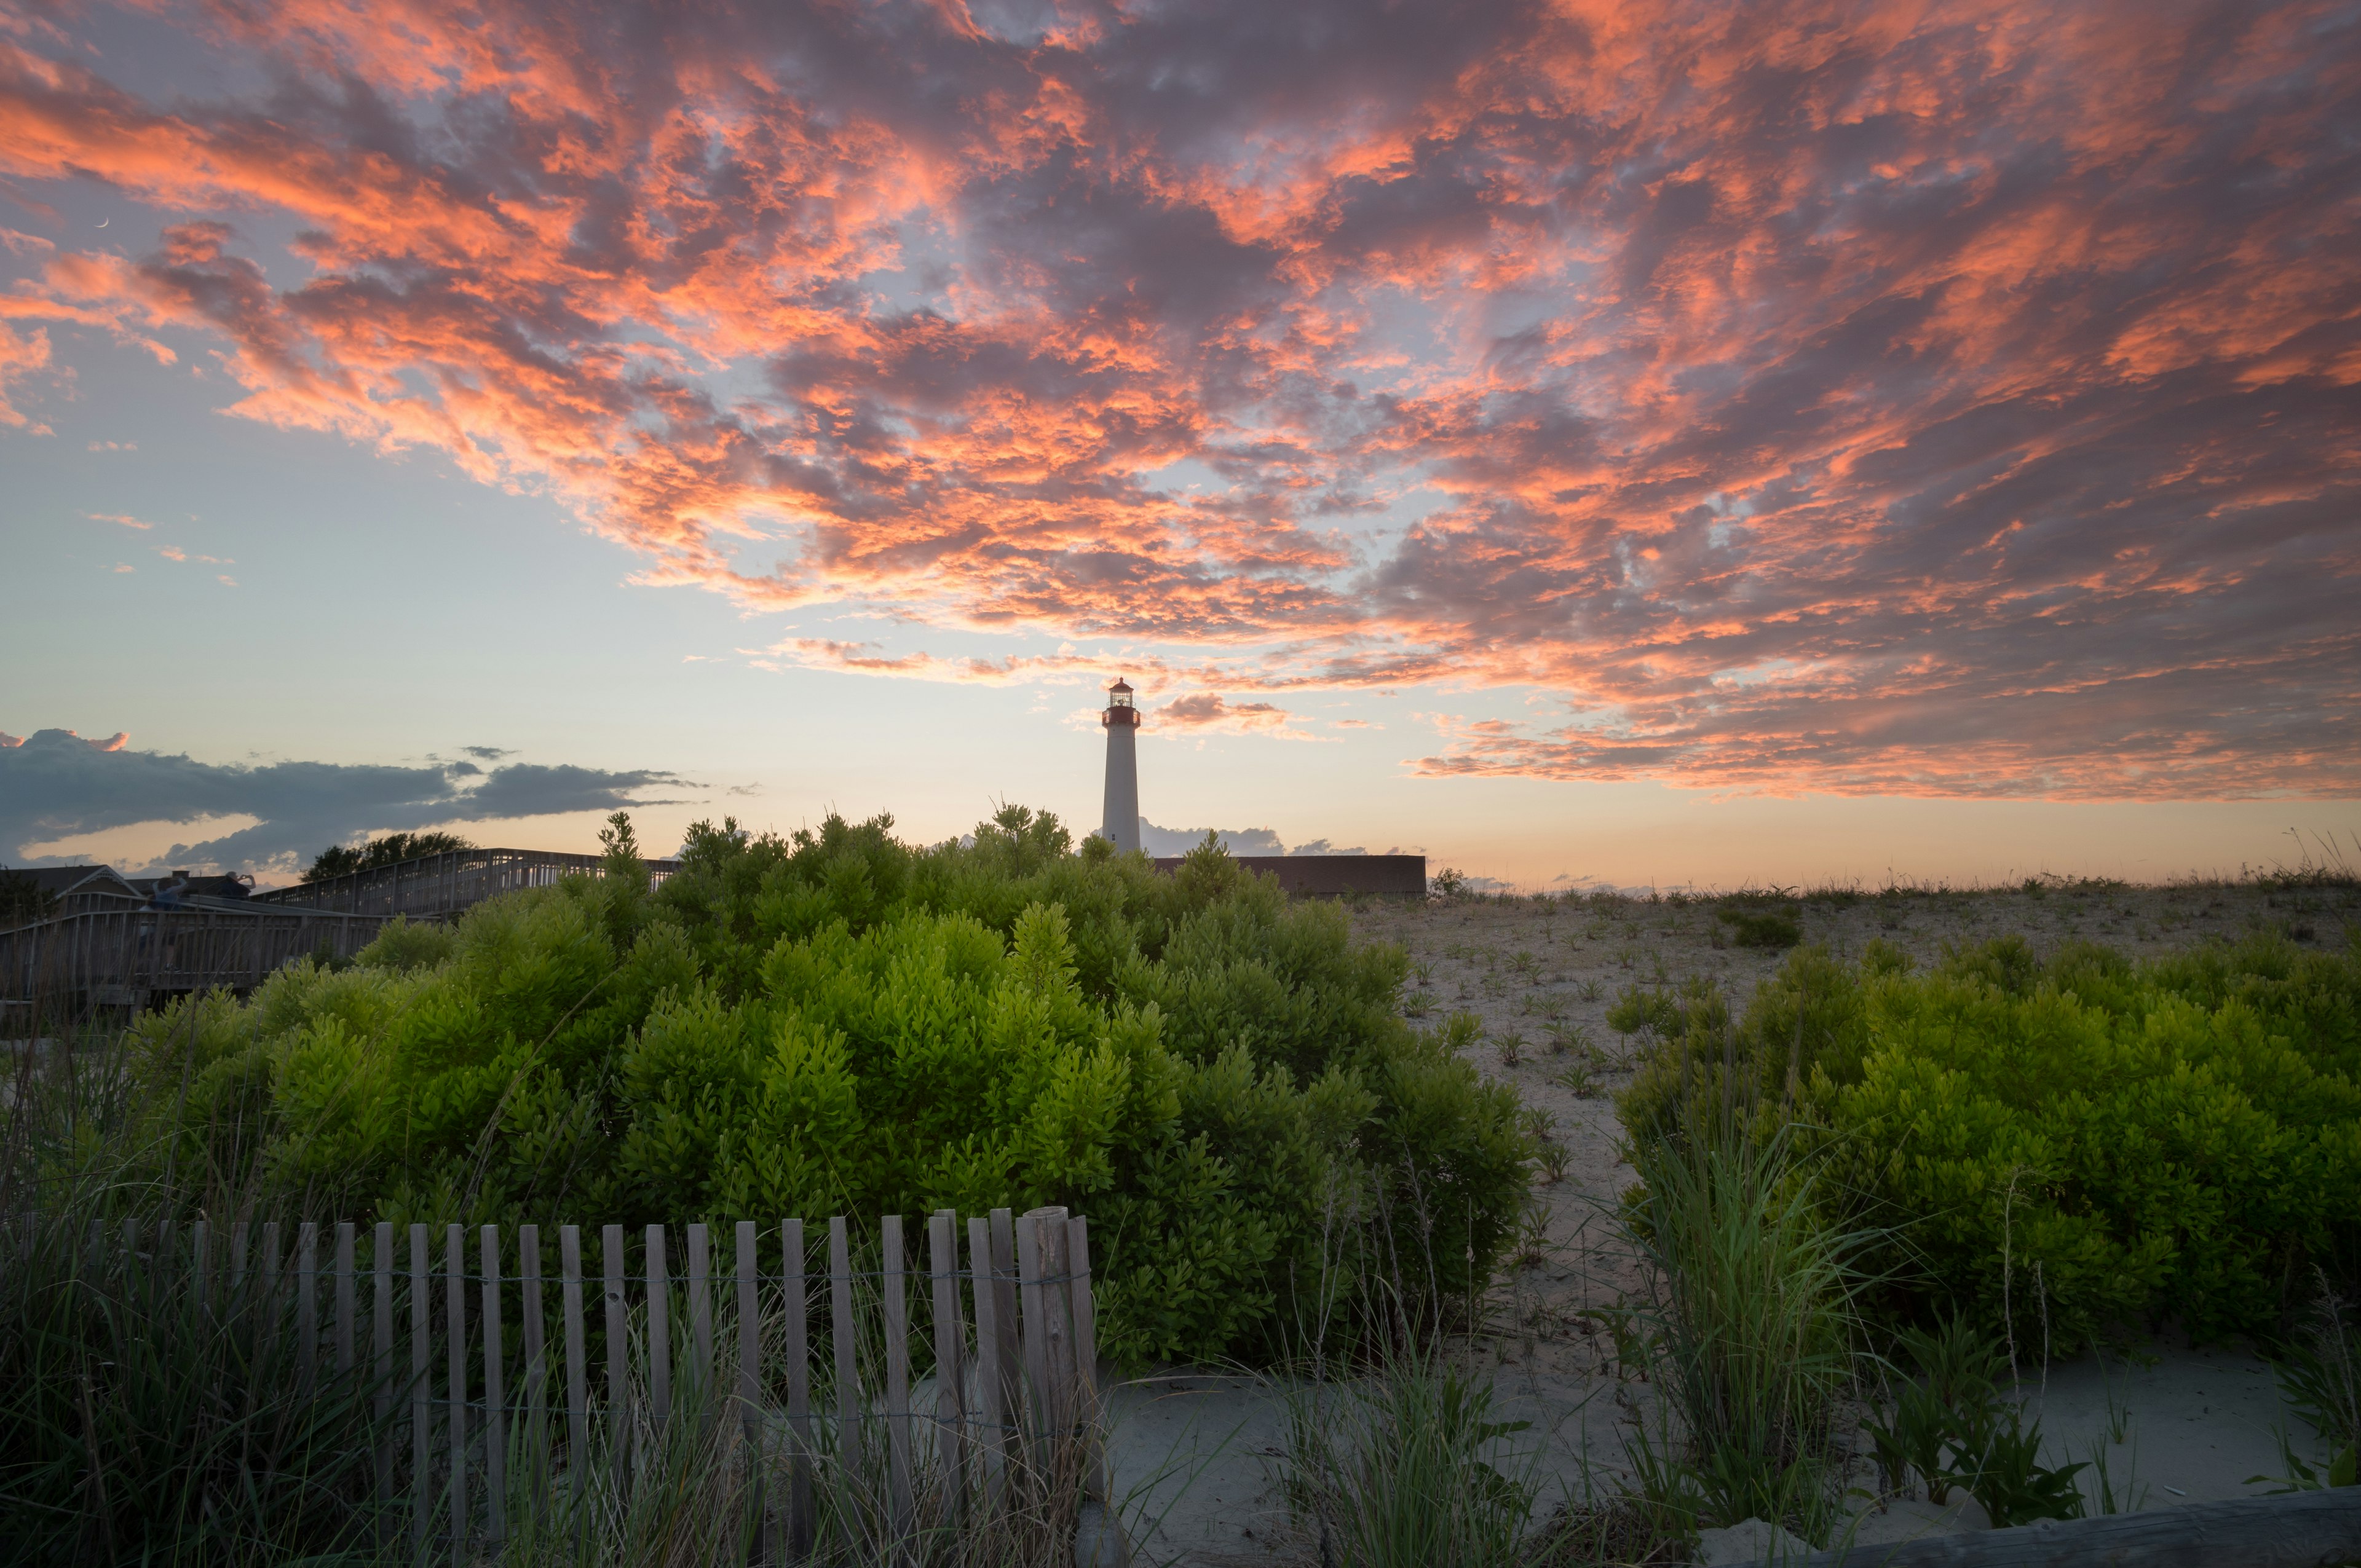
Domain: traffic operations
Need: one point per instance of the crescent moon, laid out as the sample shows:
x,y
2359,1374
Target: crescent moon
x,y
102,223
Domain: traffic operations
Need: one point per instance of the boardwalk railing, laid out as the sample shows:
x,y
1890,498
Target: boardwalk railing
x,y
610,1347
432,886
119,956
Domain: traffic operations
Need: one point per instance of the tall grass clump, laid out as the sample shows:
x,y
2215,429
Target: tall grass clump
x,y
1404,1465
1751,1328
149,1413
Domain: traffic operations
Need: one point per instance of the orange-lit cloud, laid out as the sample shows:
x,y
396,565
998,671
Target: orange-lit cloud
x,y
1957,399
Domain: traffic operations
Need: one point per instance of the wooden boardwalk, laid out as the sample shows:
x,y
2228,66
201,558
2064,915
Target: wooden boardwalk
x,y
125,957
433,886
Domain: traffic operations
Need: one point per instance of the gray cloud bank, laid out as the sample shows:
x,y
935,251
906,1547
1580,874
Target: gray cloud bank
x,y
56,785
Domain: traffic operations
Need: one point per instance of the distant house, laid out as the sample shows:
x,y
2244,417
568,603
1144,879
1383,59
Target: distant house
x,y
78,889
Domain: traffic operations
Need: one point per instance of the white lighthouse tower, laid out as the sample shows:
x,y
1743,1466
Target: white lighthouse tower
x,y
1122,721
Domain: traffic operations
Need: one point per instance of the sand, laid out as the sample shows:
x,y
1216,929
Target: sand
x,y
1198,1455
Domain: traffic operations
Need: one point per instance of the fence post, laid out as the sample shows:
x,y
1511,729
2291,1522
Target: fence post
x,y
1041,1420
345,1303
701,1383
422,1340
1005,1326
618,1398
750,1385
495,1445
951,1371
577,1378
798,1329
990,1409
1084,1308
659,1332
536,1355
381,1346
307,1300
455,1315
894,1283
848,1371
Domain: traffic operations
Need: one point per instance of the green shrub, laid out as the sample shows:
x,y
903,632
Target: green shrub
x,y
1762,928
841,1024
2080,1139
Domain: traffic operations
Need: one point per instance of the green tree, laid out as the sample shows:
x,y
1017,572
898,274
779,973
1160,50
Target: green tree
x,y
342,859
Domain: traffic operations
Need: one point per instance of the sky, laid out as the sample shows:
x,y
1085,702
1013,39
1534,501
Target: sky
x,y
1589,444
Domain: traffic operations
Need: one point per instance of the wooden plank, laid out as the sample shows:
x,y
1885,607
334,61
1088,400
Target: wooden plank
x,y
1036,1421
2284,1531
536,1355
266,1294
454,1324
699,1382
795,1330
577,1378
345,1302
1083,1309
848,1373
748,1386
200,1234
950,1361
990,1409
240,1243
659,1330
495,1393
893,1282
1056,1326
422,1427
382,1345
619,1389
307,1302
1005,1326
750,1329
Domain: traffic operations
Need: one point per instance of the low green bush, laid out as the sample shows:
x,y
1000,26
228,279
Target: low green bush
x,y
2060,1143
840,1022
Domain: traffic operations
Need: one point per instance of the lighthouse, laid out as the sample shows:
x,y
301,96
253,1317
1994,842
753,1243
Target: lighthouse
x,y
1122,721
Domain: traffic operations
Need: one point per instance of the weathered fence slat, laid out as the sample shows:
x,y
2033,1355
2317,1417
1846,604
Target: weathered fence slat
x,y
700,1380
1004,1328
345,1303
536,1350
848,1375
991,1413
381,1348
950,1342
618,1400
455,1318
1035,1328
1051,1226
1083,1306
748,1381
1037,1341
307,1300
265,1300
893,1285
794,1324
577,1380
495,1435
422,1429
659,1332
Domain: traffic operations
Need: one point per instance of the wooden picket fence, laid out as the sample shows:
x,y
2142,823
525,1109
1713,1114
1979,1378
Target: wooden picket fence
x,y
1013,1340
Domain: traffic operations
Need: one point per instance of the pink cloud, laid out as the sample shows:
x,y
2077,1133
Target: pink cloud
x,y
1804,395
